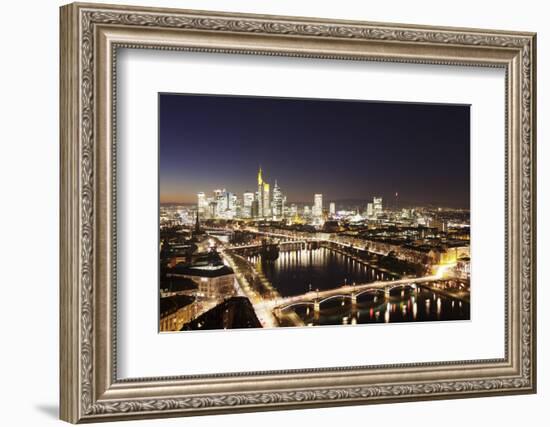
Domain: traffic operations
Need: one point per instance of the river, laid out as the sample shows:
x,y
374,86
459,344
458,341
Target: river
x,y
298,271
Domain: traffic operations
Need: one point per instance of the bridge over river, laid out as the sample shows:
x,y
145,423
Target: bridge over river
x,y
316,298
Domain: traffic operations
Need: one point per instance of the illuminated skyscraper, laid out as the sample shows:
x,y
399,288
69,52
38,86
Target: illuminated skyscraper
x,y
248,200
293,209
202,203
263,196
318,206
377,206
267,201
224,204
260,194
278,202
332,208
254,210
231,206
370,210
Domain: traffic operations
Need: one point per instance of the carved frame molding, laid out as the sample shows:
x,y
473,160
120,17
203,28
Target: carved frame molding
x,y
90,36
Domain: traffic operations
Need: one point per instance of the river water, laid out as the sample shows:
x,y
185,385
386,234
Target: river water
x,y
298,271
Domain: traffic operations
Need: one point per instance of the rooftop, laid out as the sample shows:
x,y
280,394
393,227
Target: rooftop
x,y
169,305
208,270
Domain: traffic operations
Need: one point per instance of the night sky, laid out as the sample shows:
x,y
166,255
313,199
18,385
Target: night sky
x,y
346,150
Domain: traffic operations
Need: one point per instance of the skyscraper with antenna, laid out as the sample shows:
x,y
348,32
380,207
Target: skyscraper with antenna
x,y
396,206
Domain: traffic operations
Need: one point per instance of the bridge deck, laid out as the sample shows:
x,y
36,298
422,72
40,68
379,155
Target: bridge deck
x,y
346,289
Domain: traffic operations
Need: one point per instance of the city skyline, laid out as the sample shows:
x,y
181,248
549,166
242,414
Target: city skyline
x,y
300,212
211,149
272,205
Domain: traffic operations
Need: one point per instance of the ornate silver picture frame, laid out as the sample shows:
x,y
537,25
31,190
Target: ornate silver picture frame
x,y
91,36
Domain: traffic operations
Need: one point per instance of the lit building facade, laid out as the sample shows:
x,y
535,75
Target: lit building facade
x,y
265,203
370,210
213,281
248,200
176,311
202,203
377,206
317,206
278,202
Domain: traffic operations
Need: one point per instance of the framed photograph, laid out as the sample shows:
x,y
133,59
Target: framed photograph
x,y
265,212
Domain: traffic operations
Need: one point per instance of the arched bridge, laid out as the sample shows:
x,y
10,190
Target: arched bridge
x,y
279,243
316,298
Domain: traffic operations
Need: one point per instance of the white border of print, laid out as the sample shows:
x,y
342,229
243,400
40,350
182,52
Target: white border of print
x,y
142,74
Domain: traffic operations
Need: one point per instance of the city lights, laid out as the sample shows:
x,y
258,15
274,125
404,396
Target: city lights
x,y
273,215
396,257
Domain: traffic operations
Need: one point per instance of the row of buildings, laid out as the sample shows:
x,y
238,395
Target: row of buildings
x,y
193,280
265,203
268,203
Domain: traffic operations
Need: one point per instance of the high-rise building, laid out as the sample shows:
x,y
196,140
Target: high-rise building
x,y
212,207
232,206
277,206
248,199
267,201
377,205
370,210
332,208
255,211
225,204
263,197
222,204
318,205
202,203
260,193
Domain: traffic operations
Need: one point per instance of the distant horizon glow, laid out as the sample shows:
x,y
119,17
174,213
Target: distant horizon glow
x,y
344,149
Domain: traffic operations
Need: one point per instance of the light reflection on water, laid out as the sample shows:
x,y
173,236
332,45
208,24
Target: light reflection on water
x,y
415,305
298,271
294,271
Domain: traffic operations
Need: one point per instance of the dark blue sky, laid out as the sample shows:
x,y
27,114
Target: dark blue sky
x,y
343,149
